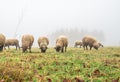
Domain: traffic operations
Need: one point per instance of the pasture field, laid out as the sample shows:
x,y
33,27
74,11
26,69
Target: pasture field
x,y
76,65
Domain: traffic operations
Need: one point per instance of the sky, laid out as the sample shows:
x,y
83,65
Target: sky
x,y
42,17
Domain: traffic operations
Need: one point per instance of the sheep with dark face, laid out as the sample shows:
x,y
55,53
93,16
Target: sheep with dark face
x,y
61,43
91,42
2,41
100,44
78,43
27,42
43,43
12,42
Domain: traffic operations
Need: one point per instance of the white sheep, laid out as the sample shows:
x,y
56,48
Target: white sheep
x,y
61,43
12,42
78,43
27,42
91,42
43,43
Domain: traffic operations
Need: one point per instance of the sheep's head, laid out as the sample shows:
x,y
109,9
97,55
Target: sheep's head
x,y
58,48
96,46
100,44
43,48
24,46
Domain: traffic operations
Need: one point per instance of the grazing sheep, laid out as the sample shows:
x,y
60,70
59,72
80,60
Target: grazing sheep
x,y
78,43
61,43
12,42
43,43
2,41
27,41
91,42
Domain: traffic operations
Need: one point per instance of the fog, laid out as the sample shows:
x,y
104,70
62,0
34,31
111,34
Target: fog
x,y
46,17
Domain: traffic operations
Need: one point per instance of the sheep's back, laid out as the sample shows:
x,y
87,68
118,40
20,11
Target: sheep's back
x,y
89,40
28,39
11,42
43,40
77,42
62,40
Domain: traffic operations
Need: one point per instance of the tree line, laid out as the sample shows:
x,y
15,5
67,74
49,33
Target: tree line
x,y
74,34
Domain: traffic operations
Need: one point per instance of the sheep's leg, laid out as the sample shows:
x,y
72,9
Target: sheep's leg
x,y
65,49
30,50
90,47
16,47
1,48
62,50
86,47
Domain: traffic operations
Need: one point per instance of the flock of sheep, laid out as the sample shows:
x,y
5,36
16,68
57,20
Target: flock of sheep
x,y
43,42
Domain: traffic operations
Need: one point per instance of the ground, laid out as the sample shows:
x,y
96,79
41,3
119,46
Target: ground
x,y
76,65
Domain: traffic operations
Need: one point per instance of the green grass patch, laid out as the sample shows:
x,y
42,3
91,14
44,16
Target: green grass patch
x,y
101,65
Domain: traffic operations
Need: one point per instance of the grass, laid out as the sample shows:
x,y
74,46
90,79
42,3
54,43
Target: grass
x,y
76,65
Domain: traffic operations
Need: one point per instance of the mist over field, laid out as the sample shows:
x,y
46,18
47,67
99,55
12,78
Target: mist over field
x,y
64,60
74,18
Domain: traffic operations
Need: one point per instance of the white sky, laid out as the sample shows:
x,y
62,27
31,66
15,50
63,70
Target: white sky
x,y
42,17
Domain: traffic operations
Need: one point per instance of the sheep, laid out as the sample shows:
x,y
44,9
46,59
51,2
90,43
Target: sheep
x,y
27,42
43,43
91,42
12,42
61,43
78,43
2,41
